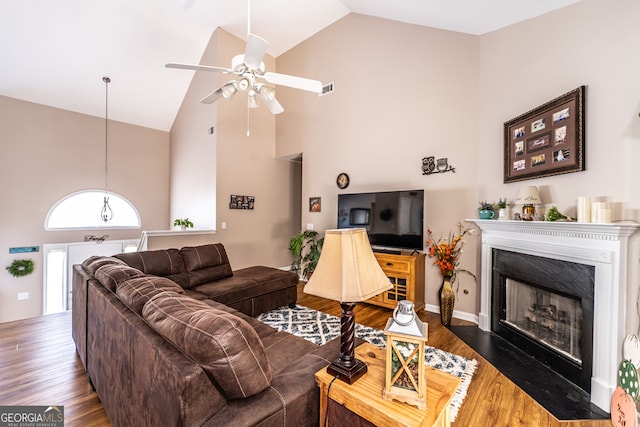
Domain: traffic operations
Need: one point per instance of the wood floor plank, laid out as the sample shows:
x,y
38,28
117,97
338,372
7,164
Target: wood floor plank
x,y
39,366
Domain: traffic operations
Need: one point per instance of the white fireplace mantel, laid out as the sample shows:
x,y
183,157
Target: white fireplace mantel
x,y
605,246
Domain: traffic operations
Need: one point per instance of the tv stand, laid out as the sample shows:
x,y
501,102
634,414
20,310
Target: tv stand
x,y
406,273
388,251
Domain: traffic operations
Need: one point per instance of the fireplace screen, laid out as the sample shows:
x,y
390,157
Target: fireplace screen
x,y
549,318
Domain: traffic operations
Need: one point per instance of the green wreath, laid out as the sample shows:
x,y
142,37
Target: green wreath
x,y
20,267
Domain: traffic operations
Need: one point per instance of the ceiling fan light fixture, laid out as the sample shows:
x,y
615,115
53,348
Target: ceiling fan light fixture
x,y
252,101
229,89
243,84
268,92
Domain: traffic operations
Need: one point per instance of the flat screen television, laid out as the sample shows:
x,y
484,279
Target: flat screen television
x,y
393,219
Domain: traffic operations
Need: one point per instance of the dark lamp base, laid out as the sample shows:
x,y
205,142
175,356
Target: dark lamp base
x,y
348,374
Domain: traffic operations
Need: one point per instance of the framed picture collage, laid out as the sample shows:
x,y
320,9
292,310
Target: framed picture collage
x,y
548,140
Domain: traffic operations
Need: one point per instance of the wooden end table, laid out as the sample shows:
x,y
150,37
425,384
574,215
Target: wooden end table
x,y
362,400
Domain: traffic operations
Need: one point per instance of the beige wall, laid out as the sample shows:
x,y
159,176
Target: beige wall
x,y
590,43
402,92
48,153
405,92
207,169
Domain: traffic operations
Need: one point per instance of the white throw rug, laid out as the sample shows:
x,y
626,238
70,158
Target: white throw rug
x,y
320,328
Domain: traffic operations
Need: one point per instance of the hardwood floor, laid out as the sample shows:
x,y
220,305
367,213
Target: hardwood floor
x,y
39,366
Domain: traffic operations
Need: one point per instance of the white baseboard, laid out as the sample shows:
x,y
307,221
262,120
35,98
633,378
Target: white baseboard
x,y
462,315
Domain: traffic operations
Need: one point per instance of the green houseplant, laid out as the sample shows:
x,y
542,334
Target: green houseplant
x,y
485,210
305,248
183,223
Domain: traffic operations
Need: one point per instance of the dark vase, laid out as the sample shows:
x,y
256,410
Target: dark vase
x,y
447,300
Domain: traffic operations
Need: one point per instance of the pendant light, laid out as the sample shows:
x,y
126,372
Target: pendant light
x,y
106,213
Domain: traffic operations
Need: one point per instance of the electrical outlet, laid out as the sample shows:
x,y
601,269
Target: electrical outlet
x,y
309,226
23,296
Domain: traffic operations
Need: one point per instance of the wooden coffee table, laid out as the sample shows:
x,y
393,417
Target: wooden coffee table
x,y
362,400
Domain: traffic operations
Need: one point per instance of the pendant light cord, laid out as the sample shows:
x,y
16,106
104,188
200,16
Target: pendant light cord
x,y
106,213
106,81
248,17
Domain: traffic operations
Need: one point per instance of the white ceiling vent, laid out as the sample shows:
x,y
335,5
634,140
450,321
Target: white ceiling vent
x,y
327,89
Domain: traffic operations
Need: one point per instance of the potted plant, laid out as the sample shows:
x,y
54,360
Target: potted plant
x,y
305,248
485,211
183,223
502,208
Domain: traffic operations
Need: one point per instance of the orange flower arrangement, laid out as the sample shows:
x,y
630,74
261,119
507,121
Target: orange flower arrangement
x,y
447,252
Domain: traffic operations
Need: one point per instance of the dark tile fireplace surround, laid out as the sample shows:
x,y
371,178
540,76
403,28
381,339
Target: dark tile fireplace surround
x,y
538,323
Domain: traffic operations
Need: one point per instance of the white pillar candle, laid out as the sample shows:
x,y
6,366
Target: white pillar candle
x,y
596,210
604,215
584,209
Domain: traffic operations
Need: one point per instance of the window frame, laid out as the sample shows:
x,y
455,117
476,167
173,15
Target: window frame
x,y
99,226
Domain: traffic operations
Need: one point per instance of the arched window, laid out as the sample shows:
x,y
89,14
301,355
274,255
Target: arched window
x,y
82,210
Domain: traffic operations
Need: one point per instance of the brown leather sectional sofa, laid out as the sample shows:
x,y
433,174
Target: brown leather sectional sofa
x,y
168,338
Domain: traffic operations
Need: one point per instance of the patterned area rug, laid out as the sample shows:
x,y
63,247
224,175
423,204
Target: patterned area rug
x,y
320,328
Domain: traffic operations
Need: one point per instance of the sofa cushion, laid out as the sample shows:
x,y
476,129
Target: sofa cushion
x,y
112,274
93,263
247,283
164,262
205,263
135,292
226,347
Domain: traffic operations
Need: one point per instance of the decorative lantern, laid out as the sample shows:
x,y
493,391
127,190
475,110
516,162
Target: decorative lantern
x,y
405,368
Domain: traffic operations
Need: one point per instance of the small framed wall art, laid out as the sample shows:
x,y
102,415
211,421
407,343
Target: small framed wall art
x,y
546,141
314,204
241,202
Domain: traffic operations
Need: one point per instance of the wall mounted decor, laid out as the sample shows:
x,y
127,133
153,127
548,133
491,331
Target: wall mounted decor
x,y
431,165
20,267
241,202
314,204
342,181
546,141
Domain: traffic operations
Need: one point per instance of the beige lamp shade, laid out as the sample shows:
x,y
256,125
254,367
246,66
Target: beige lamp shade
x,y
347,270
528,196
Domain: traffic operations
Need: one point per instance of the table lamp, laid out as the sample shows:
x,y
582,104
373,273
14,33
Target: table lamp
x,y
528,197
348,272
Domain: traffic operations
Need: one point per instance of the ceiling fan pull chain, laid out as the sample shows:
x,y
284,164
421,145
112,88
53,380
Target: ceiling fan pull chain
x,y
248,131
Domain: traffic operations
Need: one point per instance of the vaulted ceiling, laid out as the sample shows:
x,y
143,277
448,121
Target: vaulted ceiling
x,y
56,52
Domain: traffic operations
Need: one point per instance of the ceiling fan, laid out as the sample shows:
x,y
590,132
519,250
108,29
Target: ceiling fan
x,y
250,71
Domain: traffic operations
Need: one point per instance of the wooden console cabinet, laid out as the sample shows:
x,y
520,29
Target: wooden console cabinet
x,y
406,273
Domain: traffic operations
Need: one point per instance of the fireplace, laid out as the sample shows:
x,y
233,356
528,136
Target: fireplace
x,y
544,307
535,252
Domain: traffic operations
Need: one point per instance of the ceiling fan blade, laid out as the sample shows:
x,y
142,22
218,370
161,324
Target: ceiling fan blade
x,y
212,97
271,102
294,82
227,90
195,67
256,49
